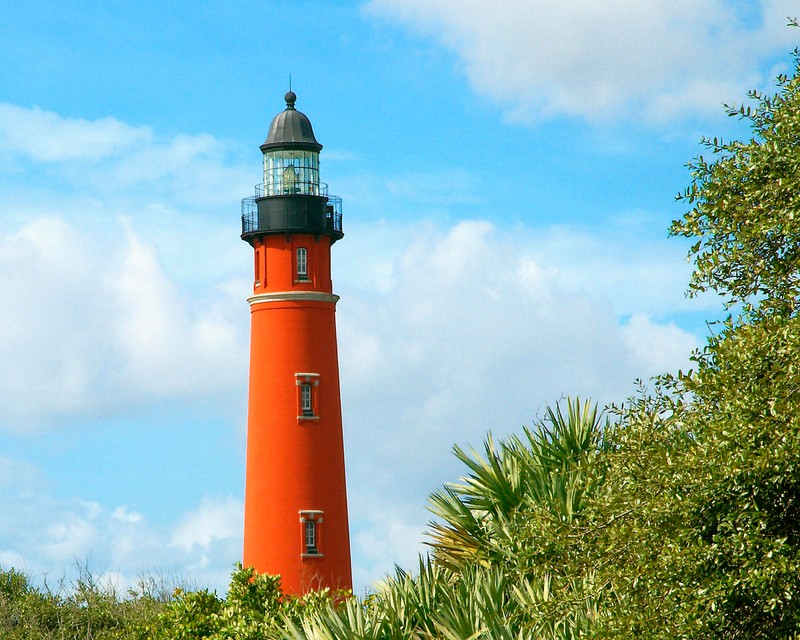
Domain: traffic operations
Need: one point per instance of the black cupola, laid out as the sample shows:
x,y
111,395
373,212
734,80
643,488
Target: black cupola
x,y
291,128
291,199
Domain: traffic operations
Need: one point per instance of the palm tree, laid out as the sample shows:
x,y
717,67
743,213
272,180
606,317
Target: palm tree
x,y
552,469
480,583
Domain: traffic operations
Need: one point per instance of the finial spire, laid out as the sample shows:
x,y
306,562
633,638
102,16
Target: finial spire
x,y
290,96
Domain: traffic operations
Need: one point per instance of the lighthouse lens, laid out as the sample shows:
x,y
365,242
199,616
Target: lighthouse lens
x,y
291,172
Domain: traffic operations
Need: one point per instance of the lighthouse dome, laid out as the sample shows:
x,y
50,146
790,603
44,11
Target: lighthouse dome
x,y
291,129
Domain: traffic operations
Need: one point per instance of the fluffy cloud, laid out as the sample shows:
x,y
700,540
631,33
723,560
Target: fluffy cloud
x,y
478,332
617,60
130,166
55,537
658,347
99,326
217,519
47,137
60,538
389,537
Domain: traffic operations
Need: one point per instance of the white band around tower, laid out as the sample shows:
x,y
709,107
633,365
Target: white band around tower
x,y
293,296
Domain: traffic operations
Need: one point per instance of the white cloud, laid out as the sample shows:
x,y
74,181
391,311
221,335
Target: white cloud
x,y
612,60
47,137
19,475
90,326
71,538
130,289
54,538
215,519
658,347
169,348
389,537
13,559
480,330
112,159
123,514
621,266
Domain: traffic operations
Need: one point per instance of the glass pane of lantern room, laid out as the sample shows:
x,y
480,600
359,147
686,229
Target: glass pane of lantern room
x,y
273,170
291,171
311,164
275,165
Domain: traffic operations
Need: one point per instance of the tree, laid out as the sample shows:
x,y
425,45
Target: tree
x,y
745,205
704,472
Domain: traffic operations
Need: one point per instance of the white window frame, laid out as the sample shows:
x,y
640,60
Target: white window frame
x,y
307,396
301,258
311,521
311,536
305,399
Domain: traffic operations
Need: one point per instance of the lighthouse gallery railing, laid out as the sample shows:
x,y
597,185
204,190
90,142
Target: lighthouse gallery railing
x,y
333,209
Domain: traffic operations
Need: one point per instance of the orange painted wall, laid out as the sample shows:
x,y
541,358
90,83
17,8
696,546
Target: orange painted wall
x,y
294,464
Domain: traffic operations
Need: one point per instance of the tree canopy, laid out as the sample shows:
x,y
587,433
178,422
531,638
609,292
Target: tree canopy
x,y
745,202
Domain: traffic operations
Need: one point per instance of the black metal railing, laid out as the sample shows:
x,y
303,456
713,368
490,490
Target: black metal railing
x,y
250,215
333,213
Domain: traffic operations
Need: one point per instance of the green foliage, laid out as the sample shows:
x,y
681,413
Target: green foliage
x,y
550,471
254,608
745,205
695,530
86,611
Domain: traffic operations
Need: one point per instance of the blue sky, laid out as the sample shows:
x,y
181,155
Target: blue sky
x,y
508,172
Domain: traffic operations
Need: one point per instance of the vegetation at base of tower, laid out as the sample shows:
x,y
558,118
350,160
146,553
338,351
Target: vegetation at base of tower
x,y
675,514
254,608
82,610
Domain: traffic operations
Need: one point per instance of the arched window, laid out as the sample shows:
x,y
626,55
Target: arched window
x,y
302,263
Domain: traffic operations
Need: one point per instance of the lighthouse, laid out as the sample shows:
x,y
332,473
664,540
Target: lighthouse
x,y
295,510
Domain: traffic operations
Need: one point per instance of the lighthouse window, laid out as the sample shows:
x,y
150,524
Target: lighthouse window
x,y
302,264
311,522
311,537
307,384
305,400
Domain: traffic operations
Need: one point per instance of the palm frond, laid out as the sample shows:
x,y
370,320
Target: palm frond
x,y
549,469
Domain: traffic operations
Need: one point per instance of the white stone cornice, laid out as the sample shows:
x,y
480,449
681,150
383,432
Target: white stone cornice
x,y
293,296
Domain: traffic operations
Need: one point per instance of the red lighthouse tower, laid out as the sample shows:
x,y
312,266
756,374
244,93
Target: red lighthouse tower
x,y
295,520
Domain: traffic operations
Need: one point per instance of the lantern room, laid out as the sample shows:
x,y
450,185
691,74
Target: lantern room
x,y
291,199
291,154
